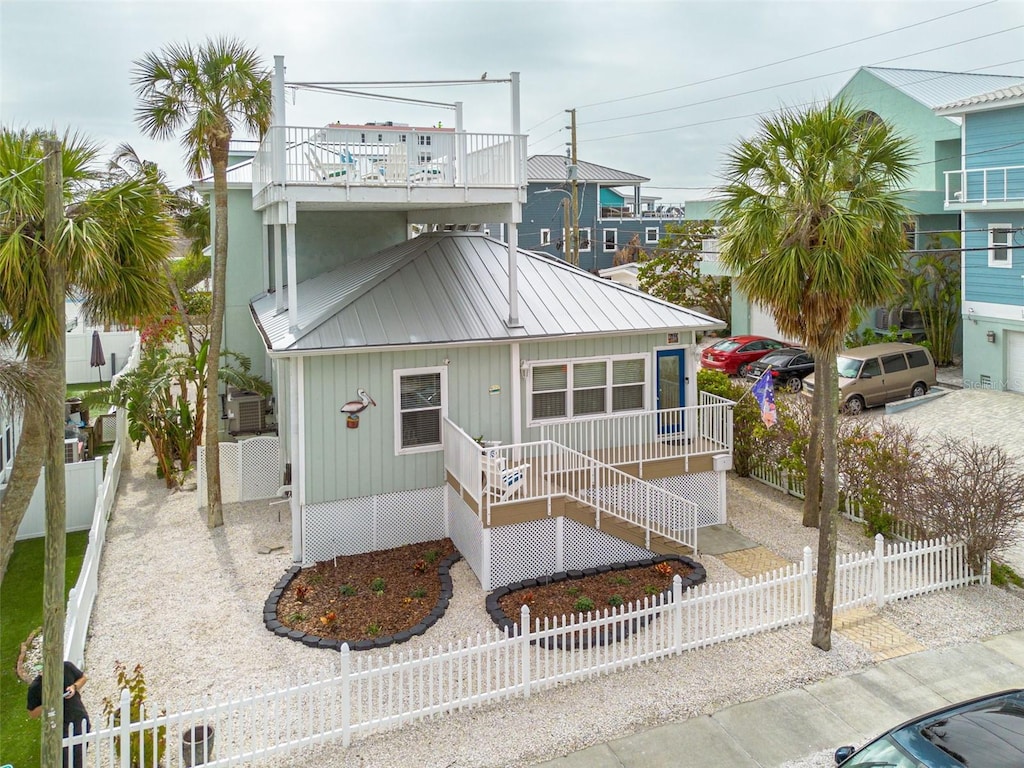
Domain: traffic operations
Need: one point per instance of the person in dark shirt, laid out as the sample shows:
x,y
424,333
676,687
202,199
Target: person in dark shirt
x,y
74,709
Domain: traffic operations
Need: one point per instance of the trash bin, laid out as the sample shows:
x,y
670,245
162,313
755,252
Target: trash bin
x,y
197,745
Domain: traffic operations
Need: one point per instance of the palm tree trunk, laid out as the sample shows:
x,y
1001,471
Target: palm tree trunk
x,y
825,586
812,477
56,499
28,466
214,508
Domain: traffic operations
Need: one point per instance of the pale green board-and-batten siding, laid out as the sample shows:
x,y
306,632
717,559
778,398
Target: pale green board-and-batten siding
x,y
347,463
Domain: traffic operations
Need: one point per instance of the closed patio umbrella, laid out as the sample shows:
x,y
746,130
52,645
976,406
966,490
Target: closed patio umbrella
x,y
96,358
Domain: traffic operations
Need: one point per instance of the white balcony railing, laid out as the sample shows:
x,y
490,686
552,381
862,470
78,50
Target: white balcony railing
x,y
1001,184
345,157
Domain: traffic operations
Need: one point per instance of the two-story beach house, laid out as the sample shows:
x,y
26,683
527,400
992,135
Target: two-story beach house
x,y
988,190
907,100
452,383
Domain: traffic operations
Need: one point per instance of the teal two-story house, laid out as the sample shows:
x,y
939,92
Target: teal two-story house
x,y
907,99
432,380
987,189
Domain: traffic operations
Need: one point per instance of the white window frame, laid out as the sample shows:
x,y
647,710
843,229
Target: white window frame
x,y
648,238
399,373
585,238
545,237
609,388
614,243
423,139
1006,229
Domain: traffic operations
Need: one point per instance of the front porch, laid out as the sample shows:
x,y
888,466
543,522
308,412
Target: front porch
x,y
633,476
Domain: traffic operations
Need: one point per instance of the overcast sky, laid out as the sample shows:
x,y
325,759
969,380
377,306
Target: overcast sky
x,y
679,81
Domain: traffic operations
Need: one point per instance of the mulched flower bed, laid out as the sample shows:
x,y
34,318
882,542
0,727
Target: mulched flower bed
x,y
368,600
592,590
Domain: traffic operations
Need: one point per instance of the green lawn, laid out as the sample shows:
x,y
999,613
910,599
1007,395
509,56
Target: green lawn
x,y
21,611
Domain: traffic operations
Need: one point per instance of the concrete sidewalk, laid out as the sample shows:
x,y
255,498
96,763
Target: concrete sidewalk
x,y
802,722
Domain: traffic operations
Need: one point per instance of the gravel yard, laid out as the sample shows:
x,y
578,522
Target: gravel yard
x,y
187,603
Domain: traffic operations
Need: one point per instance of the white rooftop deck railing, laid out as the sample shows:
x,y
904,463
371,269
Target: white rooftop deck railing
x,y
999,184
371,157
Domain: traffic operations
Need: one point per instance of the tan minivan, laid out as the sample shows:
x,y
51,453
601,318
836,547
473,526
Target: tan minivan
x,y
880,373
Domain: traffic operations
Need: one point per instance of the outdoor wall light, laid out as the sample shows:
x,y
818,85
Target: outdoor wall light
x,y
990,336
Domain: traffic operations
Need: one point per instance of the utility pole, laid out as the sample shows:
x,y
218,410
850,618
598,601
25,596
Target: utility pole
x,y
56,511
574,236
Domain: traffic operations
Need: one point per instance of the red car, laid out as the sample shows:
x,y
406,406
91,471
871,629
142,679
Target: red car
x,y
734,355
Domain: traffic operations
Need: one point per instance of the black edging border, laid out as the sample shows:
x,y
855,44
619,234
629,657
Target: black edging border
x,y
580,639
315,641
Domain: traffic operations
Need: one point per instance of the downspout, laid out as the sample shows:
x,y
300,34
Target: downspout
x,y
298,469
517,393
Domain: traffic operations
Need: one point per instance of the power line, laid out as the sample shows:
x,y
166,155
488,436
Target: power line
x,y
13,176
786,60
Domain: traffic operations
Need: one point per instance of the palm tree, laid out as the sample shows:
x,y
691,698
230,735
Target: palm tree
x,y
206,91
114,236
813,227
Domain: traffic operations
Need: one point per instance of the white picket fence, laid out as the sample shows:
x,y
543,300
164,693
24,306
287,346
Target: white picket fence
x,y
368,693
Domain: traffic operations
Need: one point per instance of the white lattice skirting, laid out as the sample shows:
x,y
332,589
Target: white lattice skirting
x,y
705,489
249,469
369,523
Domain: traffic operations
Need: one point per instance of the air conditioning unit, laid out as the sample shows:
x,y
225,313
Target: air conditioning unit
x,y
246,412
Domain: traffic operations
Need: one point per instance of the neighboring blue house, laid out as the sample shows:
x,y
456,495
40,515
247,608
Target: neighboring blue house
x,y
907,99
989,191
612,210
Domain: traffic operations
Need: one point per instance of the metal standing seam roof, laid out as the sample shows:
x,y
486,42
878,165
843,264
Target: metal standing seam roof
x,y
444,288
551,169
935,89
1013,93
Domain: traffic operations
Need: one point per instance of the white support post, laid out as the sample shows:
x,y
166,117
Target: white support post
x,y
559,544
279,297
524,644
879,570
723,496
345,675
293,282
485,559
677,612
279,172
513,275
808,584
295,381
125,727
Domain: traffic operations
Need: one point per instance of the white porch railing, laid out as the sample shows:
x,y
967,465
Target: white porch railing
x,y
367,157
371,693
1001,184
639,437
545,470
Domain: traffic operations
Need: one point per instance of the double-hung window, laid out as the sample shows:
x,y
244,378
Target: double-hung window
x,y
584,238
589,387
650,235
421,403
545,237
1000,242
610,239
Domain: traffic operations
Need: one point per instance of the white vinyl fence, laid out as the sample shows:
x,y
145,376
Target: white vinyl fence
x,y
368,693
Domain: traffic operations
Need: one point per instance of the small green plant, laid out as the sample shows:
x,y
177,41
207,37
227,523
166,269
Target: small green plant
x,y
432,555
347,590
373,629
377,586
295,617
583,605
615,601
1003,575
135,683
572,591
419,592
650,589
620,580
315,579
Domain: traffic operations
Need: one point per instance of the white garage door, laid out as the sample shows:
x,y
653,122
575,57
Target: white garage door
x,y
762,323
1015,361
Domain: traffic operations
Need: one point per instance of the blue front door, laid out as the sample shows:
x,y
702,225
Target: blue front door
x,y
671,386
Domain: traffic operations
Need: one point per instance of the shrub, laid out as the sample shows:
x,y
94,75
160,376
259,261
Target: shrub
x,y
347,590
583,605
135,684
377,586
615,601
1003,575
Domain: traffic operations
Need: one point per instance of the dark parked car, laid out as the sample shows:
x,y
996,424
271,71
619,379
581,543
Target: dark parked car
x,y
987,732
733,355
789,366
